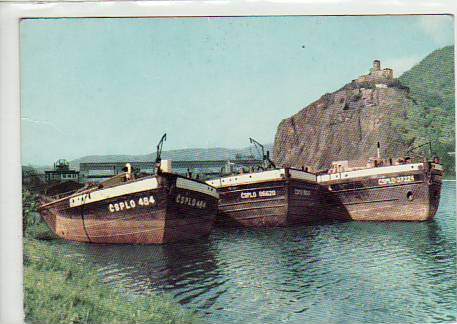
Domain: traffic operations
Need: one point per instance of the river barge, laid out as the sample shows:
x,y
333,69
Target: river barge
x,y
155,209
383,190
269,197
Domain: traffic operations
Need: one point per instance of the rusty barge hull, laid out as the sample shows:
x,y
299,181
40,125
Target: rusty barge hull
x,y
410,194
152,210
270,198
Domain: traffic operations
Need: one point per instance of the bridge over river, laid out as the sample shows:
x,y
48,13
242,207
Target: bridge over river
x,y
97,171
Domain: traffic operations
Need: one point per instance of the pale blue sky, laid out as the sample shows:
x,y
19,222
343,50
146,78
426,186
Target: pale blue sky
x,y
113,86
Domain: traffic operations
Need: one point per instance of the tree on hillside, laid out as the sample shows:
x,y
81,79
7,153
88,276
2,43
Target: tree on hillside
x,y
432,119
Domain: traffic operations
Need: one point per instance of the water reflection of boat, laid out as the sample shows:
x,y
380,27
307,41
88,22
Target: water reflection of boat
x,y
161,208
383,189
187,269
267,197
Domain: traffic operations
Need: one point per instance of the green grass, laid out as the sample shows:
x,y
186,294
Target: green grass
x,y
61,288
33,226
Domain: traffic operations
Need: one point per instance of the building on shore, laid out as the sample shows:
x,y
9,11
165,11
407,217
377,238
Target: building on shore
x,y
61,173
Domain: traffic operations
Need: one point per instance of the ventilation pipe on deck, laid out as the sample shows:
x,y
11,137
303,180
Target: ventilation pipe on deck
x,y
165,166
128,174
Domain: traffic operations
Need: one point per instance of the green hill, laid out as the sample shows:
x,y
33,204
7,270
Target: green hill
x,y
432,87
190,154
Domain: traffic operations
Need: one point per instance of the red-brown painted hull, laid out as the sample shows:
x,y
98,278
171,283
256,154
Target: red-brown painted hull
x,y
282,209
365,200
172,214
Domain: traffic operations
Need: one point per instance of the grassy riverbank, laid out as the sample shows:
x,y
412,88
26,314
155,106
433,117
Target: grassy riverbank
x,y
65,289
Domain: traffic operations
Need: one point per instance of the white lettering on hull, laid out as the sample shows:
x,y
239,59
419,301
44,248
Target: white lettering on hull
x,y
255,194
190,201
396,180
302,192
130,204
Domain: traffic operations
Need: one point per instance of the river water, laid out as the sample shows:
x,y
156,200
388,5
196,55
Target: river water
x,y
352,272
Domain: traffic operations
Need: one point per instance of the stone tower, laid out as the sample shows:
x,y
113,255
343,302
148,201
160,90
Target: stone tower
x,y
376,65
388,73
377,75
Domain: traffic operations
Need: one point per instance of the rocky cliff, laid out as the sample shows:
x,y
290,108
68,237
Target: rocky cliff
x,y
344,125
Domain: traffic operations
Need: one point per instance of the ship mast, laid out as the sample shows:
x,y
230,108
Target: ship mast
x,y
265,157
378,151
159,152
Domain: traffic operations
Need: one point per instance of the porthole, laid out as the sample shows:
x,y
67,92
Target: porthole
x,y
410,196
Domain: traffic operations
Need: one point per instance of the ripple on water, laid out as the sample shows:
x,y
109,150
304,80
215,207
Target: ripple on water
x,y
336,272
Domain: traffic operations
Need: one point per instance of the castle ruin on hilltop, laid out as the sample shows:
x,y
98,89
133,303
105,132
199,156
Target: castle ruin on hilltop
x,y
377,75
346,124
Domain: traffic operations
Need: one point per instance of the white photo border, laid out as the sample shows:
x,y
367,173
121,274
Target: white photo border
x,y
11,292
